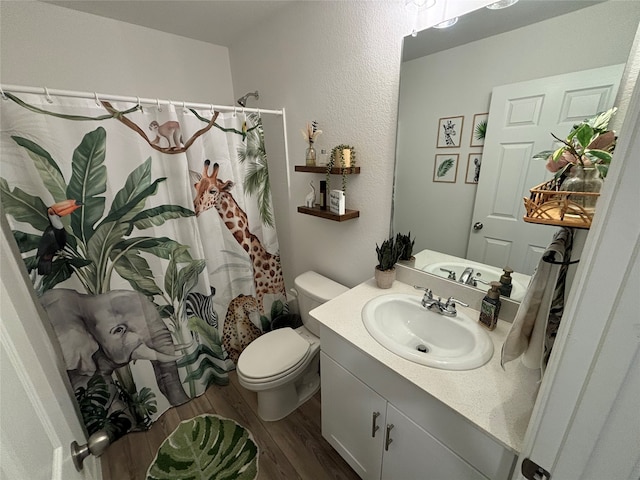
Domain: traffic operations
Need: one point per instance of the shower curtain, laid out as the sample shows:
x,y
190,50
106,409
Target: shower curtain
x,y
149,236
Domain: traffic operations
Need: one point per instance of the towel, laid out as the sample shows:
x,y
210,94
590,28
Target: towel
x,y
536,322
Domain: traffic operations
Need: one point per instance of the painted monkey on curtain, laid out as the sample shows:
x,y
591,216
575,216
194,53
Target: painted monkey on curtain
x,y
168,130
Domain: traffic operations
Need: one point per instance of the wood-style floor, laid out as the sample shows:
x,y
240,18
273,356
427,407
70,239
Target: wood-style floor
x,y
291,448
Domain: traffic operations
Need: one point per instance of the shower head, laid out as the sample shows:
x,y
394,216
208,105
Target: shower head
x,y
242,101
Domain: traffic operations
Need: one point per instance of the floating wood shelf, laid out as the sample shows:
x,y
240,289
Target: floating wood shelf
x,y
334,170
317,212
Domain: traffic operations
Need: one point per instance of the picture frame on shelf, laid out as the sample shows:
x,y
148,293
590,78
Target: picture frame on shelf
x,y
450,132
479,129
445,167
474,162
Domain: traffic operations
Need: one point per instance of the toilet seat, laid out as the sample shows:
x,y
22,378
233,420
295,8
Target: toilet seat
x,y
273,355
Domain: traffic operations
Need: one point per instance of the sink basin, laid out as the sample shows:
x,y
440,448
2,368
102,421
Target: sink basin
x,y
487,274
402,325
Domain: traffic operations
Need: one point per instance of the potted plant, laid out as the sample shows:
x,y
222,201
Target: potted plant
x,y
405,245
388,255
582,161
346,164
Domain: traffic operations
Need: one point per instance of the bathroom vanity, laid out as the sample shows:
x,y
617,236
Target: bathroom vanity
x,y
391,418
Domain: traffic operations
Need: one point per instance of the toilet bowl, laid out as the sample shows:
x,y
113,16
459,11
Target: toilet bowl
x,y
283,366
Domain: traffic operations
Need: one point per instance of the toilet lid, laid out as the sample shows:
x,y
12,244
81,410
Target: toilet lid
x,y
273,353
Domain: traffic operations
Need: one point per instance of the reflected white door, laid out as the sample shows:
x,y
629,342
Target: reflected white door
x,y
37,419
522,117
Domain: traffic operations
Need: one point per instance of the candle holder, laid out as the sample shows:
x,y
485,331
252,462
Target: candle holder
x,y
344,157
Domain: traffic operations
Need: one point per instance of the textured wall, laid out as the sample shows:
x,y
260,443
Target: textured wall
x,y
43,45
337,63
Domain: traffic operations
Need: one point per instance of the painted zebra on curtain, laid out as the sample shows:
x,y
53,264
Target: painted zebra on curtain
x,y
199,305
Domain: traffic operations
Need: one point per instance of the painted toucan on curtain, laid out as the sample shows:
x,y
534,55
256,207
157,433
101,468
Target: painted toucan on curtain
x,y
54,237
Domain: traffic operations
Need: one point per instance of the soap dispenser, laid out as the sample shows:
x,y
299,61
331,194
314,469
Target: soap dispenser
x,y
505,282
490,307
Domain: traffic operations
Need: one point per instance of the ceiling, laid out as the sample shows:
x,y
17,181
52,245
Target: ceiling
x,y
211,21
222,22
484,23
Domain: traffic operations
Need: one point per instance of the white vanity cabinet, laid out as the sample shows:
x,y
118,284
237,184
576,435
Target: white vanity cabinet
x,y
377,439
362,398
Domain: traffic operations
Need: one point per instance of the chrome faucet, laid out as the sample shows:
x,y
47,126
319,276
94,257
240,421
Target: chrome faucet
x,y
467,276
448,308
452,274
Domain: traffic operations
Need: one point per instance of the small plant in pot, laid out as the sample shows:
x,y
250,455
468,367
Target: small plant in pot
x,y
405,245
388,255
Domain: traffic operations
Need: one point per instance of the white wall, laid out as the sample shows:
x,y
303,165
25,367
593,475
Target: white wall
x,y
337,63
460,82
43,45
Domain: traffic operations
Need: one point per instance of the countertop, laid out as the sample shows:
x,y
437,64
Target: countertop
x,y
498,401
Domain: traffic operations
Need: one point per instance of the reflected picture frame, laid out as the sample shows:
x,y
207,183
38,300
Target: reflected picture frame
x,y
474,162
478,119
450,132
445,167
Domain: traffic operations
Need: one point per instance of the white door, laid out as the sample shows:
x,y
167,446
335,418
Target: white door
x,y
37,419
522,117
586,422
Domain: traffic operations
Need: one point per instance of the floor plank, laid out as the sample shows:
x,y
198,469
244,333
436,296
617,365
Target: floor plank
x,y
290,449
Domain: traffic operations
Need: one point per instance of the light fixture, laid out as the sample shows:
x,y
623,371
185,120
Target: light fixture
x,y
415,8
420,4
501,4
447,23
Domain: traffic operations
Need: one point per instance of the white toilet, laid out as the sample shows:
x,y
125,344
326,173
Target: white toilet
x,y
283,366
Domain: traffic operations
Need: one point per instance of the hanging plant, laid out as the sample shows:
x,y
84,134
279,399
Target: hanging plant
x,y
338,158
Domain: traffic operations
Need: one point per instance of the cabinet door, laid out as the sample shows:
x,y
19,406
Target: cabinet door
x,y
414,454
348,422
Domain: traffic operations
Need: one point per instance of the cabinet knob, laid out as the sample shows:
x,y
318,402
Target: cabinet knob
x,y
388,439
374,427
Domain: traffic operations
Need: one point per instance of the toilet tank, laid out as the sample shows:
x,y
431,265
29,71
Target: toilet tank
x,y
313,290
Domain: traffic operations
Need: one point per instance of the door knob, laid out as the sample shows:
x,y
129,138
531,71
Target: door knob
x,y
96,445
478,226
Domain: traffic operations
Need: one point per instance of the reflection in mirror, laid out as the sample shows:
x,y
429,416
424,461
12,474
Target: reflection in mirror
x,y
453,85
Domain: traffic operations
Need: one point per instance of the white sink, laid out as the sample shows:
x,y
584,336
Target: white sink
x,y
486,274
401,324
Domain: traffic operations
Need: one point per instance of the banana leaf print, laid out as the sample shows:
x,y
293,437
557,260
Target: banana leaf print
x,y
256,181
206,447
444,167
98,243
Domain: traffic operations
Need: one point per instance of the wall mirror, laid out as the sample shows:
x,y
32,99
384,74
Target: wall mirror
x,y
447,80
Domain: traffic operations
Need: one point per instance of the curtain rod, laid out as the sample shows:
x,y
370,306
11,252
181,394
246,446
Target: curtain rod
x,y
138,100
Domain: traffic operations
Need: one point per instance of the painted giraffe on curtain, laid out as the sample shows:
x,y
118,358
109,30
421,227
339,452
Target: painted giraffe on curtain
x,y
214,193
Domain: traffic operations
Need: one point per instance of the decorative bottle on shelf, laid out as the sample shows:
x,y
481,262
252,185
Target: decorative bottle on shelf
x,y
310,157
583,179
490,308
505,282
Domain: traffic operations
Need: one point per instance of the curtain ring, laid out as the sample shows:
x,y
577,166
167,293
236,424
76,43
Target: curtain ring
x,y
4,97
184,108
234,112
211,108
259,114
95,94
158,104
139,105
46,92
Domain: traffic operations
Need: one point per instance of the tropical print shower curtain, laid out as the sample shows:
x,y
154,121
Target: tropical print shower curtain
x,y
149,237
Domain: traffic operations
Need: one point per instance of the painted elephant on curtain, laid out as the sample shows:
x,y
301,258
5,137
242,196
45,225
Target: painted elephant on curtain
x,y
99,333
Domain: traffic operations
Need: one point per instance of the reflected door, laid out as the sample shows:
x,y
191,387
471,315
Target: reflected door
x,y
522,117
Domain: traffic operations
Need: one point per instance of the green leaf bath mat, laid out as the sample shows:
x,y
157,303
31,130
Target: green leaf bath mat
x,y
207,447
